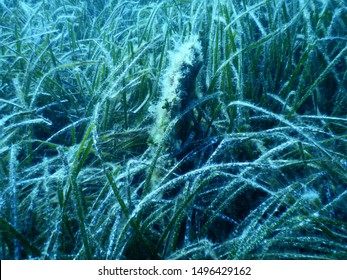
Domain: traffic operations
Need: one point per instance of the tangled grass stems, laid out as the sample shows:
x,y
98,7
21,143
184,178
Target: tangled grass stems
x,y
252,160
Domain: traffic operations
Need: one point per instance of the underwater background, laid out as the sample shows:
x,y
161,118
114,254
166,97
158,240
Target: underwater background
x,y
174,129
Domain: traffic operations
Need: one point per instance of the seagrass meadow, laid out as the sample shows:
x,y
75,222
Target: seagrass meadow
x,y
173,129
